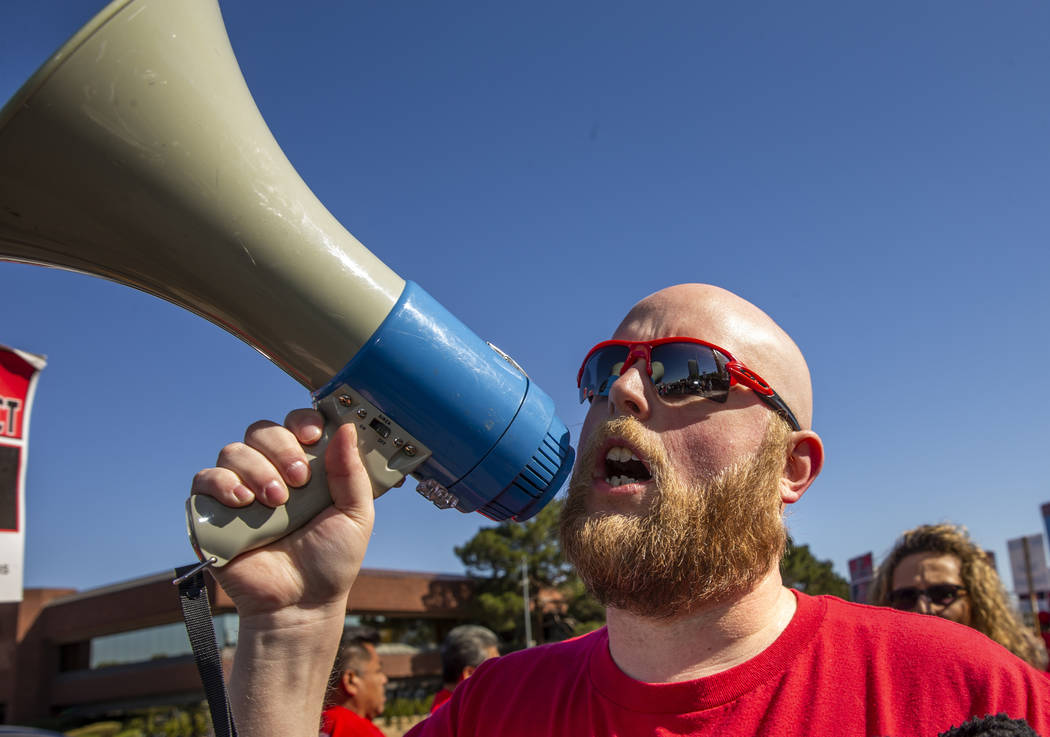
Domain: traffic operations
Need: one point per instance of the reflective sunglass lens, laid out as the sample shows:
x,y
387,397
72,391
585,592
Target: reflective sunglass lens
x,y
904,598
943,594
690,369
600,371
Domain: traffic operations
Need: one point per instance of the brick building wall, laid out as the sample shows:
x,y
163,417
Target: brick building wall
x,y
46,640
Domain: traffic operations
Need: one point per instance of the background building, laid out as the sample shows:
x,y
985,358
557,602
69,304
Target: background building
x,y
123,647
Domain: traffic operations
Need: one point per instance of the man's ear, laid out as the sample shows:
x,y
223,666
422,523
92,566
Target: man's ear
x,y
468,671
804,460
348,682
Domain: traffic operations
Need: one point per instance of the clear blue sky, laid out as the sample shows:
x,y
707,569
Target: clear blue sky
x,y
876,177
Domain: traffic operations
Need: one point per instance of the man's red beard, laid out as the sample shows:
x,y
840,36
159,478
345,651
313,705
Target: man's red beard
x,y
691,546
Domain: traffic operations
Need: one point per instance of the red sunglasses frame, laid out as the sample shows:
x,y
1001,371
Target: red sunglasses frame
x,y
738,372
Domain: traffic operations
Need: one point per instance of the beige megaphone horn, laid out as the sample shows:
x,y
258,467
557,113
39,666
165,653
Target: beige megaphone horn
x,y
136,153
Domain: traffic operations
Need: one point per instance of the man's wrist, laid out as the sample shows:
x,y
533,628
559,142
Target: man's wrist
x,y
284,658
294,621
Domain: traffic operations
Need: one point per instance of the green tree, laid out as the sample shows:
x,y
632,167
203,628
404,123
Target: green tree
x,y
800,569
493,558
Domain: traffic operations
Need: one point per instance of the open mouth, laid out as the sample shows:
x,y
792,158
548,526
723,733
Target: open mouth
x,y
622,466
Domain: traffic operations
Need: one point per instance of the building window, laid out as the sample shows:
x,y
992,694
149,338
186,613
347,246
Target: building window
x,y
153,643
416,632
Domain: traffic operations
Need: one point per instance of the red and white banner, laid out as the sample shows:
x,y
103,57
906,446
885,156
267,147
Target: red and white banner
x,y
1028,566
18,375
861,575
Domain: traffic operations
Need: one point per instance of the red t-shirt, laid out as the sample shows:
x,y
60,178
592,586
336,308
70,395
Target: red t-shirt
x,y
338,721
837,669
440,698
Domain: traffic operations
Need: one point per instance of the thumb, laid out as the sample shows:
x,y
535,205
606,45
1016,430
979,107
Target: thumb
x,y
348,481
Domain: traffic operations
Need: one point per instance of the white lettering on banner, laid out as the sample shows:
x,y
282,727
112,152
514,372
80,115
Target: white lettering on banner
x,y
10,409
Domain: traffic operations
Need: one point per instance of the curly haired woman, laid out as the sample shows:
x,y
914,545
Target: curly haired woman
x,y
937,569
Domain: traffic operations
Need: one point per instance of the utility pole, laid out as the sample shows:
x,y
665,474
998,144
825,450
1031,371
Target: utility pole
x,y
525,599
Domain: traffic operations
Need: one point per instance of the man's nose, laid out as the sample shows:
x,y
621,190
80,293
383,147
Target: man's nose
x,y
923,606
627,395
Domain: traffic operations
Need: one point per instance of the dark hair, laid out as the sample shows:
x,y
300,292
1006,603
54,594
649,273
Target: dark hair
x,y
351,656
465,646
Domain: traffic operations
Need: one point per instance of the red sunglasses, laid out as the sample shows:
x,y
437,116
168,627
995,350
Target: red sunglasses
x,y
677,366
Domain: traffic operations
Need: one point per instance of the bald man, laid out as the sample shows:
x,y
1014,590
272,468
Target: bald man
x,y
697,437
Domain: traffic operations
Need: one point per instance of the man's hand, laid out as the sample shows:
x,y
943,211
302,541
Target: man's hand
x,y
291,594
310,571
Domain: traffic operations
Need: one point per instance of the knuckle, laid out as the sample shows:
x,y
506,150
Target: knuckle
x,y
304,424
229,453
257,427
201,479
301,415
209,481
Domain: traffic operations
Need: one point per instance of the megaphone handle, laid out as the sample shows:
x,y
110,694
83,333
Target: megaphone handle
x,y
388,454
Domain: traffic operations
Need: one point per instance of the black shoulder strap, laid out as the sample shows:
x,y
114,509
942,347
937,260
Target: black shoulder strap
x,y
196,611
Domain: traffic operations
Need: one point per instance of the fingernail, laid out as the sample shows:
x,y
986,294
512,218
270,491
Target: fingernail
x,y
297,474
243,494
272,493
311,434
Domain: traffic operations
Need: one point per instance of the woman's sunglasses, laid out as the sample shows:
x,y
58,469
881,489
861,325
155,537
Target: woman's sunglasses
x,y
676,366
941,594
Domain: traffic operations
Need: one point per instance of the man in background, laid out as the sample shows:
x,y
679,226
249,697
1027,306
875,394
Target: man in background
x,y
465,648
356,688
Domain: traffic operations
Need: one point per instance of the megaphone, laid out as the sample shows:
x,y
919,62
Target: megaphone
x,y
136,153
